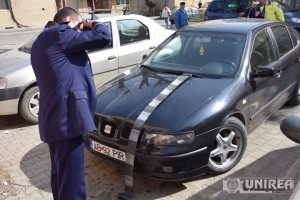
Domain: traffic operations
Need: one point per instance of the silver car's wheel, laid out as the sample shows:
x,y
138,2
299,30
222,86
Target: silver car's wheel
x,y
229,146
29,104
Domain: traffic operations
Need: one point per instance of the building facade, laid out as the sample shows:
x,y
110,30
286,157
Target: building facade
x,y
26,13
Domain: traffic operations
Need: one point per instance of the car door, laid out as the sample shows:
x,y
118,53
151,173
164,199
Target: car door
x,y
287,76
105,62
262,90
135,42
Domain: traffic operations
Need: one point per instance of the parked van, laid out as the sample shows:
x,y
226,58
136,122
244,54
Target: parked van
x,y
221,9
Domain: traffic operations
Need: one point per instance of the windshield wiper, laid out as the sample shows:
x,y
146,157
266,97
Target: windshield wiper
x,y
151,68
194,75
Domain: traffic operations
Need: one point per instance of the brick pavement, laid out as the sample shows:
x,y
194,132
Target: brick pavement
x,y
26,160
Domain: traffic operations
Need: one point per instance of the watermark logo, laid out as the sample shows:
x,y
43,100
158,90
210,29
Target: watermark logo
x,y
258,185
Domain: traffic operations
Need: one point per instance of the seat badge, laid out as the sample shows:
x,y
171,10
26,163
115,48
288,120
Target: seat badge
x,y
107,129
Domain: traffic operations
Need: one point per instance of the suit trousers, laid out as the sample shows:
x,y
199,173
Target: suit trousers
x,y
67,173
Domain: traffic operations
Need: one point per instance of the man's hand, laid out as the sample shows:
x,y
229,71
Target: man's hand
x,y
88,24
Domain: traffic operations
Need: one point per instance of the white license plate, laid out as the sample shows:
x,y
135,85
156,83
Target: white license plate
x,y
108,151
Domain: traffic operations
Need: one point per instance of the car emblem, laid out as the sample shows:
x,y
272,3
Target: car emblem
x,y
107,129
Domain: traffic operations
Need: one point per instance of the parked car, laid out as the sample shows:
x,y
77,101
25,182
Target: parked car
x,y
133,36
220,9
192,12
194,100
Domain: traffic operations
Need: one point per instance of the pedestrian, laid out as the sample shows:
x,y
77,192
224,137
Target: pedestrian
x,y
270,10
181,18
67,96
251,10
199,5
166,13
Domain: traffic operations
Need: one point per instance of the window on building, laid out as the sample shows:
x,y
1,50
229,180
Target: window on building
x,y
4,5
122,2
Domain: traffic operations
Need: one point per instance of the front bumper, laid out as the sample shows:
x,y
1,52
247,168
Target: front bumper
x,y
9,99
163,167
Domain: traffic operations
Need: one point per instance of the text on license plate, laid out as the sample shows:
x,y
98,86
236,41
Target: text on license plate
x,y
111,152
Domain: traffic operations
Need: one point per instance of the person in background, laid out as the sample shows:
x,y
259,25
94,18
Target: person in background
x,y
181,17
199,5
251,10
67,96
166,13
270,10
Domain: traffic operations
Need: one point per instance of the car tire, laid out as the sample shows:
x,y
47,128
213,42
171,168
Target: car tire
x,y
228,148
295,99
29,105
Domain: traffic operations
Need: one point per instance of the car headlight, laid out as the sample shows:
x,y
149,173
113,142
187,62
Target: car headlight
x,y
3,83
295,19
168,139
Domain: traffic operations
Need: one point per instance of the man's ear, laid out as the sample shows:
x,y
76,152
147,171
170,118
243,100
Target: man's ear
x,y
68,18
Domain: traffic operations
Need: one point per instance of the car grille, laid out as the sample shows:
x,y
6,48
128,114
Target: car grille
x,y
96,121
126,132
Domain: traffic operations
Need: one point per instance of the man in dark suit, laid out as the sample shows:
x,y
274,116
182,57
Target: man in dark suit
x,y
67,96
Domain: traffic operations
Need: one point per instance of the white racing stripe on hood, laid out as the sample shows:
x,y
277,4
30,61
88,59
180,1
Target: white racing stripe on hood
x,y
136,130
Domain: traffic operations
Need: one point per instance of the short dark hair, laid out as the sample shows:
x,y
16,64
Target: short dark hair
x,y
182,3
62,14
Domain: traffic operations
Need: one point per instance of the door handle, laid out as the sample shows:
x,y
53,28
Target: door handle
x,y
278,74
299,59
111,57
152,47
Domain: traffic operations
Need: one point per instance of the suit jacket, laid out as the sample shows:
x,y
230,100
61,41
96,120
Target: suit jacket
x,y
65,79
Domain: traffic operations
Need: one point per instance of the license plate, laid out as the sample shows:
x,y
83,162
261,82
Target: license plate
x,y
108,151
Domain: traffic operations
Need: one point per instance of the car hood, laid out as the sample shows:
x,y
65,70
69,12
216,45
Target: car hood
x,y
12,61
126,98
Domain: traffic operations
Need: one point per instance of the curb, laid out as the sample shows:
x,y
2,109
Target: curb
x,y
20,29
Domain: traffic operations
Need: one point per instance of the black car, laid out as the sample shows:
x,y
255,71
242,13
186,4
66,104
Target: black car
x,y
191,104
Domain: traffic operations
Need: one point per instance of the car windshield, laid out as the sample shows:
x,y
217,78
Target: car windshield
x,y
27,47
203,54
216,6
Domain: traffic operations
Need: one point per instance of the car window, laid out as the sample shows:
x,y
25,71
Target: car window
x,y
234,6
110,45
205,5
108,25
262,50
132,31
216,6
201,53
294,36
283,39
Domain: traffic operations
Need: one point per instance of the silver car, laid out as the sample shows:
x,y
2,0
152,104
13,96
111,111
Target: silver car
x,y
133,37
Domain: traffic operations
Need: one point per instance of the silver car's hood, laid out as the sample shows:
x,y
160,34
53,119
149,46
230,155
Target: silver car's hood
x,y
12,61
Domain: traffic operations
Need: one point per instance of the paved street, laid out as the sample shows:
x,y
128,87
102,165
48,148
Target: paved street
x,y
25,158
25,166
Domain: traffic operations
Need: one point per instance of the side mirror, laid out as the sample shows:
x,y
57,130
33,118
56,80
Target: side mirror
x,y
144,56
290,127
263,71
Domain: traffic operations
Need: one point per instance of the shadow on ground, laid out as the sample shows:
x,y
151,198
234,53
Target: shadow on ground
x,y
280,164
12,122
